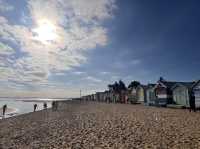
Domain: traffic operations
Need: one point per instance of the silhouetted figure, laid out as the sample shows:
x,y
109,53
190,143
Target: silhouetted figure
x,y
4,109
53,105
56,105
45,105
192,103
35,107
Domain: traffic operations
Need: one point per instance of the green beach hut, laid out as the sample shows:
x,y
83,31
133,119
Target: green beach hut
x,y
151,96
182,93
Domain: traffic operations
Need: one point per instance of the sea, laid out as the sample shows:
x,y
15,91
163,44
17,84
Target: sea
x,y
18,106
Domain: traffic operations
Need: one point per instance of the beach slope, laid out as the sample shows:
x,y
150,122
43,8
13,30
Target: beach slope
x,y
98,125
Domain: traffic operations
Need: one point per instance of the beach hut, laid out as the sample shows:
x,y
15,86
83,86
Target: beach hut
x,y
94,97
196,93
169,92
182,93
150,94
123,96
163,92
103,96
113,97
83,98
117,97
108,96
89,97
97,96
100,96
141,93
132,96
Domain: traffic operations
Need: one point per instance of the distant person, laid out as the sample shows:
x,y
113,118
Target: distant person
x,y
45,105
56,105
192,103
4,109
35,107
53,105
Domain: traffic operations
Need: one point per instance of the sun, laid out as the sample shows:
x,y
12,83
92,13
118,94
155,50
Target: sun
x,y
45,31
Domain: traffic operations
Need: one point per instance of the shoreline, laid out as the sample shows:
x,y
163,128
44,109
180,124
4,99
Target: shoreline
x,y
9,112
19,107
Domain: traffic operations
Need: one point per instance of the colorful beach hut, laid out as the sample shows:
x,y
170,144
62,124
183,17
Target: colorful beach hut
x,y
150,94
182,93
141,93
163,92
132,95
196,93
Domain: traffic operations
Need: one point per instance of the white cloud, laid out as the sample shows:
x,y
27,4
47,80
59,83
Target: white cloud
x,y
60,74
93,79
79,72
78,26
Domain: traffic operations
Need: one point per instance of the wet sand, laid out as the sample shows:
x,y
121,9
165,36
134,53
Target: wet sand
x,y
8,111
100,125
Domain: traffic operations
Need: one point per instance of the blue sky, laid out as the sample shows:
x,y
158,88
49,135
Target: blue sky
x,y
54,48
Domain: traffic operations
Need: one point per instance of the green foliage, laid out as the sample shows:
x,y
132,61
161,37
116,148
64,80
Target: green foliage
x,y
117,87
133,84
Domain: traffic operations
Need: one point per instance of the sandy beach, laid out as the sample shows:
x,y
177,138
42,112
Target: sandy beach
x,y
88,125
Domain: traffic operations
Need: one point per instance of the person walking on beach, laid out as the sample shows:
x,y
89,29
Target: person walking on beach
x,y
35,107
45,105
4,109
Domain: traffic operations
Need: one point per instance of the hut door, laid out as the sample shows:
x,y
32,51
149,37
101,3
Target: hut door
x,y
197,97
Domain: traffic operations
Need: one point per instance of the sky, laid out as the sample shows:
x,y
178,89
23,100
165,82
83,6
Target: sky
x,y
55,48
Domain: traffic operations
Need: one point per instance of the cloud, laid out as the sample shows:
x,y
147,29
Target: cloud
x,y
115,78
93,79
4,7
118,64
6,50
105,72
60,74
79,72
135,62
78,26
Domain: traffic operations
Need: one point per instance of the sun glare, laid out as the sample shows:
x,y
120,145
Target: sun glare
x,y
45,32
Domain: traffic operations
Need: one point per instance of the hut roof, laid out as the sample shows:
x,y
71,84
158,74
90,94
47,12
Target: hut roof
x,y
173,84
195,83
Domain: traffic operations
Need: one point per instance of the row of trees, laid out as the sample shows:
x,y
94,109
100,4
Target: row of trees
x,y
117,87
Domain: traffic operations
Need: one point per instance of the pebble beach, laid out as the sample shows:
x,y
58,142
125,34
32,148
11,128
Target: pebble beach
x,y
88,125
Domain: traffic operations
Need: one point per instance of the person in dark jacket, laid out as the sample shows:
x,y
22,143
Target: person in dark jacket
x,y
45,105
35,107
53,105
4,109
